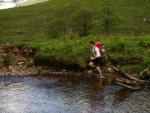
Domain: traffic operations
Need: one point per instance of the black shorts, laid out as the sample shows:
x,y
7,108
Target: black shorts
x,y
97,61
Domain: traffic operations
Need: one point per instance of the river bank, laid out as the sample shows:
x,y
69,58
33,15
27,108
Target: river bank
x,y
19,61
131,53
50,86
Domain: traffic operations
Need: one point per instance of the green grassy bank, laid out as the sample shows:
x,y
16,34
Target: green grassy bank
x,y
131,53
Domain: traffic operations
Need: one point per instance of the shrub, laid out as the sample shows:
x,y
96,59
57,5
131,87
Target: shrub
x,y
1,62
144,44
81,22
9,59
107,19
57,27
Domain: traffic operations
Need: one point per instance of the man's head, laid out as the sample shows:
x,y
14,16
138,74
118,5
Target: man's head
x,y
92,43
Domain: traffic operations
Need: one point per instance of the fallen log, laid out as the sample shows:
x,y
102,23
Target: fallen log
x,y
124,80
142,72
128,86
145,74
125,75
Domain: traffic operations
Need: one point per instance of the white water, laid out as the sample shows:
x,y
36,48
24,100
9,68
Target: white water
x,y
5,4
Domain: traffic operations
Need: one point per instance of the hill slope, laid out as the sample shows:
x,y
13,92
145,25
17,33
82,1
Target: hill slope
x,y
122,16
68,20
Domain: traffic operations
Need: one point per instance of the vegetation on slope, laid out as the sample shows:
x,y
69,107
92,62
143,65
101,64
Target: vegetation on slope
x,y
82,17
61,29
132,53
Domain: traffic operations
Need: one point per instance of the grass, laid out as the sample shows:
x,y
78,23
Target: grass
x,y
132,53
30,26
30,21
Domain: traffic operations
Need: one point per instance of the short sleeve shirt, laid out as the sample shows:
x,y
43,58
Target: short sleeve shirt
x,y
96,52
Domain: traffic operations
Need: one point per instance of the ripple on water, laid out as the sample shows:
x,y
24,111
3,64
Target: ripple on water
x,y
33,95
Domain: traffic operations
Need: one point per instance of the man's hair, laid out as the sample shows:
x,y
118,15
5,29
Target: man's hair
x,y
92,42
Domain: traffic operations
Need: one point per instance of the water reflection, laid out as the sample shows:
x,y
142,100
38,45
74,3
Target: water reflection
x,y
121,95
33,95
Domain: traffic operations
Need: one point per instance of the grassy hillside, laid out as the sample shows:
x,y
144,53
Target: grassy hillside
x,y
122,17
61,30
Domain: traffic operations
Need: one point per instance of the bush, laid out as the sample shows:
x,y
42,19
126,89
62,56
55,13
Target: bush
x,y
108,20
57,27
9,59
144,44
1,62
81,22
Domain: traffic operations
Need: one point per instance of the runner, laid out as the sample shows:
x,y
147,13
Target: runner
x,y
96,59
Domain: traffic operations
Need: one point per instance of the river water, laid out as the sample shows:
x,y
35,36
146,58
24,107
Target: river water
x,y
42,95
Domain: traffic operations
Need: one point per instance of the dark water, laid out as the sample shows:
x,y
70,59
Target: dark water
x,y
34,95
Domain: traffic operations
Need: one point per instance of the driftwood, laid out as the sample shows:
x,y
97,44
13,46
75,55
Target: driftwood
x,y
142,73
128,86
124,80
129,81
125,75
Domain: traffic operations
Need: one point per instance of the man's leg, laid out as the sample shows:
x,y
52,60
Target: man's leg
x,y
91,64
99,71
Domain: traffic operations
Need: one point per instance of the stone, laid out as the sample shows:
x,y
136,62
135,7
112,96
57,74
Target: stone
x,y
20,63
64,70
10,68
110,70
16,50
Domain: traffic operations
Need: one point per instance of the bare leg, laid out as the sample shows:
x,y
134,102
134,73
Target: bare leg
x,y
91,64
99,70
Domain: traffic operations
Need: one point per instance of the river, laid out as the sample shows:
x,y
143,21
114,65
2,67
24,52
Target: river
x,y
5,4
47,95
